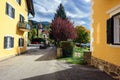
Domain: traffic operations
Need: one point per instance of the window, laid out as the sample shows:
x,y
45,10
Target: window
x,y
21,42
19,2
10,11
21,18
8,42
113,30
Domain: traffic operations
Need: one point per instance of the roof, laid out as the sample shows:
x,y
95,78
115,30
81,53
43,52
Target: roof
x,y
30,7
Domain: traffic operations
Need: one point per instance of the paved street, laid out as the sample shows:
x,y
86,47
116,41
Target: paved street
x,y
40,64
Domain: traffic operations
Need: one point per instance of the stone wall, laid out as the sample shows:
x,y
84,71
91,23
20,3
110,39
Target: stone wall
x,y
111,69
87,57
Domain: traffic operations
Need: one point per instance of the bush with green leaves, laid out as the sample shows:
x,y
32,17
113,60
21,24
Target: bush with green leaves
x,y
67,48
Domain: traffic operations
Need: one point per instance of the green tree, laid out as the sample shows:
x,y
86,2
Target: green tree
x,y
83,35
32,34
60,12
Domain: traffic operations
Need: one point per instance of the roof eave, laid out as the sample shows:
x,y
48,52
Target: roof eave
x,y
30,7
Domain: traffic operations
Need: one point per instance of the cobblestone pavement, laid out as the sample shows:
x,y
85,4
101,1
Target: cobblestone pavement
x,y
40,64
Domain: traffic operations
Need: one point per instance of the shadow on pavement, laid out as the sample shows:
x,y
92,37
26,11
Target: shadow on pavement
x,y
50,54
76,72
35,51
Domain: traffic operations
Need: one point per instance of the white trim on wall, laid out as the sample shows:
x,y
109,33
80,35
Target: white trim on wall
x,y
91,29
114,10
17,2
8,35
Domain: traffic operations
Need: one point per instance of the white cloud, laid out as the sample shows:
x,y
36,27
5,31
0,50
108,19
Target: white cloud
x,y
39,19
48,7
87,0
78,15
79,23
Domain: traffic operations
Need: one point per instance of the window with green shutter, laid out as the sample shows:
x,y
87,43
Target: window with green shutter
x,y
113,30
8,42
10,11
19,2
21,18
21,42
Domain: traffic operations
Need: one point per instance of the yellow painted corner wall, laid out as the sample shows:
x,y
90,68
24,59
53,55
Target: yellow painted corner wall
x,y
101,49
8,26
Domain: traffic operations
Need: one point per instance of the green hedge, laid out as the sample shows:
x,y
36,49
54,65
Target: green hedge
x,y
67,48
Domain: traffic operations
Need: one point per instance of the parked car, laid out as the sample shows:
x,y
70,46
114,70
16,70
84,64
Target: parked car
x,y
34,42
87,45
43,45
37,40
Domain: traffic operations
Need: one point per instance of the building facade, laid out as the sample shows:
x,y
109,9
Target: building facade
x,y
14,26
105,36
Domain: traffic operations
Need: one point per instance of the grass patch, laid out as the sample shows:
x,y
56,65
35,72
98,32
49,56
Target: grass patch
x,y
72,60
77,57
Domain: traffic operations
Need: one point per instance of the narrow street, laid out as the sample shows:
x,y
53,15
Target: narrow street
x,y
40,64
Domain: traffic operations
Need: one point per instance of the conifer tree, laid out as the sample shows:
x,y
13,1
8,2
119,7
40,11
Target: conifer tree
x,y
60,12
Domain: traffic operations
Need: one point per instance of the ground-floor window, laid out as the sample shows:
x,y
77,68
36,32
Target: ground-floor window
x,y
8,42
113,30
21,42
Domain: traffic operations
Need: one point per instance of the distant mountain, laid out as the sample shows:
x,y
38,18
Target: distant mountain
x,y
45,23
34,22
42,22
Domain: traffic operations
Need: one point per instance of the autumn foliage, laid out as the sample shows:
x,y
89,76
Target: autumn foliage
x,y
62,29
83,35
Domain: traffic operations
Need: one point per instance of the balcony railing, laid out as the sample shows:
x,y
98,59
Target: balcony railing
x,y
24,26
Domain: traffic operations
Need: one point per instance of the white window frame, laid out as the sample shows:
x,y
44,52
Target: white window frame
x,y
115,10
18,42
8,45
117,29
18,2
9,15
22,17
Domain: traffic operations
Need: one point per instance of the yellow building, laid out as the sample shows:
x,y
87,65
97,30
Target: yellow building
x,y
14,27
105,36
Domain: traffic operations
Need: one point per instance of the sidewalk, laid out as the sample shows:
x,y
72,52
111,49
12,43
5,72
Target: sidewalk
x,y
40,64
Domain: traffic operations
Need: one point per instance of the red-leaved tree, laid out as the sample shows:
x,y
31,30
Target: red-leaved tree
x,y
62,29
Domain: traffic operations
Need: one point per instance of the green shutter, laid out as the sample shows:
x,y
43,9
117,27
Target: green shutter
x,y
22,42
7,7
110,31
19,42
5,42
20,2
13,13
12,42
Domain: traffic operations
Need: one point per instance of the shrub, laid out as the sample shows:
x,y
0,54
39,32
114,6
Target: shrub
x,y
67,48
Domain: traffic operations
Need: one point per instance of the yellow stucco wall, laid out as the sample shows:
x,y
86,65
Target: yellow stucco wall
x,y
8,26
101,49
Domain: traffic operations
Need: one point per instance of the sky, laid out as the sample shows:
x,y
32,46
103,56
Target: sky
x,y
78,11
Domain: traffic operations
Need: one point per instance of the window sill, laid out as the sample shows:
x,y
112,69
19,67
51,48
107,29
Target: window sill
x,y
10,17
21,47
8,48
117,46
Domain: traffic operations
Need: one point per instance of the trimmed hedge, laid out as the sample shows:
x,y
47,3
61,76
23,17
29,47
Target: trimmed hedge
x,y
67,48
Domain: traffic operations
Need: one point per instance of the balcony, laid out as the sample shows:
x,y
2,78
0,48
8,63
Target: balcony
x,y
24,26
